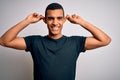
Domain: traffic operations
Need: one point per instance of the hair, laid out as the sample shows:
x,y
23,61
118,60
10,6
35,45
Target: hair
x,y
54,6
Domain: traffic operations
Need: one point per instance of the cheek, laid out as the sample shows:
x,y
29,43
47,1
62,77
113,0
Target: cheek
x,y
49,23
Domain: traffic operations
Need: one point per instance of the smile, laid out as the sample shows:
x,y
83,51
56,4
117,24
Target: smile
x,y
55,28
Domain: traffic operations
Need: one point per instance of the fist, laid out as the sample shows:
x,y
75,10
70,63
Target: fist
x,y
34,17
75,19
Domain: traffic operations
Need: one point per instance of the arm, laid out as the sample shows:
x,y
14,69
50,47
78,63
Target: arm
x,y
10,39
98,38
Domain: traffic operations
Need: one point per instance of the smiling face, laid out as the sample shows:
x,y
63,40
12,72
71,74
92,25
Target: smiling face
x,y
55,20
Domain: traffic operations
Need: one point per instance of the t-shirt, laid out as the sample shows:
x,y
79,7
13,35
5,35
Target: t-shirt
x,y
55,59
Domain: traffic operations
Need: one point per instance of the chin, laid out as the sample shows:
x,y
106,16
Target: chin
x,y
55,33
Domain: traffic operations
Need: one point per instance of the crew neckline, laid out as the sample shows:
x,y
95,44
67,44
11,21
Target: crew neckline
x,y
55,39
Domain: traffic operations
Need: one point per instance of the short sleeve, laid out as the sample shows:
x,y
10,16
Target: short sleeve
x,y
29,42
80,43
32,41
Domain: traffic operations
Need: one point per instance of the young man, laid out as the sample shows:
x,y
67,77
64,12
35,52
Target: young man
x,y
54,55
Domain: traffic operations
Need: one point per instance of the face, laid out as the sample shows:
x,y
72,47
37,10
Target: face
x,y
55,20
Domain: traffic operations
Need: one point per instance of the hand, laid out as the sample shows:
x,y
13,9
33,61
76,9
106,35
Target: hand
x,y
75,19
34,17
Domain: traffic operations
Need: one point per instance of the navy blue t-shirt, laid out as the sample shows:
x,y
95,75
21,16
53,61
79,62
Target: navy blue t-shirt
x,y
55,59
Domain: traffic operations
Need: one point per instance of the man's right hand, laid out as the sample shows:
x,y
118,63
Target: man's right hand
x,y
34,17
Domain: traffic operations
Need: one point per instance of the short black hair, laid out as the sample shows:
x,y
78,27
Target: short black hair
x,y
54,6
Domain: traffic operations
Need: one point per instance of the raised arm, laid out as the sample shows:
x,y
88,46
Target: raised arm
x,y
98,38
10,39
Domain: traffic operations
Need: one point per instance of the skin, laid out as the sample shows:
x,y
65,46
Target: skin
x,y
54,21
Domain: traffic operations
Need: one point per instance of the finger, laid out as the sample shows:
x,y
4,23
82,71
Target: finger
x,y
41,17
67,16
74,16
35,14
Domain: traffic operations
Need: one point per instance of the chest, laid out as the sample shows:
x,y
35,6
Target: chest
x,y
55,52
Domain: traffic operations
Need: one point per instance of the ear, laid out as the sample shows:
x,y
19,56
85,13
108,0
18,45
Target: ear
x,y
64,19
44,19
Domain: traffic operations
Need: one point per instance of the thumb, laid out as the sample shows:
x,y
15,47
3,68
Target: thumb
x,y
41,17
67,16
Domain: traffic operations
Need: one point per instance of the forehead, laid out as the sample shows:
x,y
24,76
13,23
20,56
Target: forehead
x,y
55,13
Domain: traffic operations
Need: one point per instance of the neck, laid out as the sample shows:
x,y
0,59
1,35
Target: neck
x,y
55,36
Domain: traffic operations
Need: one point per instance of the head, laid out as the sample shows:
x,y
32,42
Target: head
x,y
54,18
54,6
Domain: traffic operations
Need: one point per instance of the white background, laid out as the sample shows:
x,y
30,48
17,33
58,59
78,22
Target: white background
x,y
97,64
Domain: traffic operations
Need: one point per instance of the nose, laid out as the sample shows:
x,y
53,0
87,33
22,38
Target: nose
x,y
55,21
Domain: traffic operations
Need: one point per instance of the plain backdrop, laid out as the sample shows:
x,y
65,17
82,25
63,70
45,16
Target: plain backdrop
x,y
98,64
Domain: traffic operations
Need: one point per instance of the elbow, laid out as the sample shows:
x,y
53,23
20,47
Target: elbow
x,y
107,41
3,43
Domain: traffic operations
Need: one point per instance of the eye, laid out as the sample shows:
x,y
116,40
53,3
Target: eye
x,y
50,18
59,18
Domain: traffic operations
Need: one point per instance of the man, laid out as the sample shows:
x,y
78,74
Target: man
x,y
54,55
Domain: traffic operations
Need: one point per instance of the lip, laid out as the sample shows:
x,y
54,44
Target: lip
x,y
55,28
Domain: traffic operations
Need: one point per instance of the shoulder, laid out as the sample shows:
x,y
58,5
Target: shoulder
x,y
77,37
33,38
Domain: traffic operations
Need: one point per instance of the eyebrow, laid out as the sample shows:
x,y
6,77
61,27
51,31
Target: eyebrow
x,y
59,17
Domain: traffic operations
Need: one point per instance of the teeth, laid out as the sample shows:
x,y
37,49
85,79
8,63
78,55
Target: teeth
x,y
55,28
